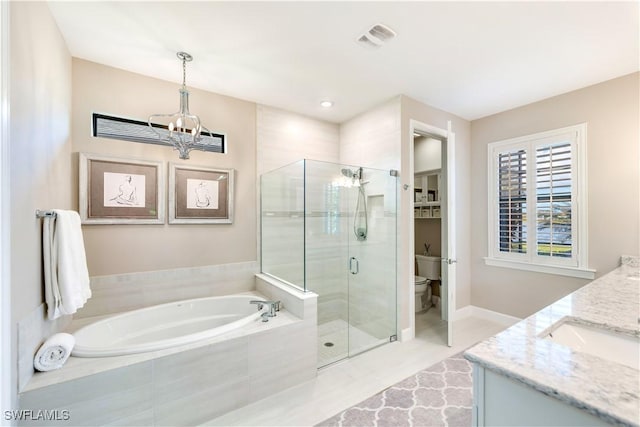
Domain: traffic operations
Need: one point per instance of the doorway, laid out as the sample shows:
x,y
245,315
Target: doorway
x,y
432,229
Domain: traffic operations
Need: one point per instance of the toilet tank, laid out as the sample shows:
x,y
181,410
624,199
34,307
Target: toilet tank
x,y
429,267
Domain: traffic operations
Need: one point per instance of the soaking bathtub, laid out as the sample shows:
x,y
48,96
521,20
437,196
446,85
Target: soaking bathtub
x,y
165,325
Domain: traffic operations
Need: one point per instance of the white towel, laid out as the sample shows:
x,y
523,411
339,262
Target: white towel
x,y
66,278
54,352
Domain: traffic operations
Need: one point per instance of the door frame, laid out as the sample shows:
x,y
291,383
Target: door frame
x,y
448,139
7,390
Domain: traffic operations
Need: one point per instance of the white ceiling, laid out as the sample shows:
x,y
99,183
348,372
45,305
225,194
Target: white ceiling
x,y
472,59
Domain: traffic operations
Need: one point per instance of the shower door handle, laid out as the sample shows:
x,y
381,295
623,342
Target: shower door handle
x,y
353,265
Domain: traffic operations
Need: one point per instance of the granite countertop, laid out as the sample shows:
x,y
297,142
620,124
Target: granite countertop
x,y
601,387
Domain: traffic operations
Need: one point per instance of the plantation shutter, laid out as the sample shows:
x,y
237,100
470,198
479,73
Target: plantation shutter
x,y
538,202
512,201
554,200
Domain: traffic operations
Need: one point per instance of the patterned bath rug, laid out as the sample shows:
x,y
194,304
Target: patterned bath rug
x,y
437,396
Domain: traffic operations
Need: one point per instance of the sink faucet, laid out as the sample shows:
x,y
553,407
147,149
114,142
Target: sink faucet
x,y
274,306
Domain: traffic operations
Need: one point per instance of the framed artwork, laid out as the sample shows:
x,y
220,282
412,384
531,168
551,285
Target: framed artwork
x,y
200,195
121,191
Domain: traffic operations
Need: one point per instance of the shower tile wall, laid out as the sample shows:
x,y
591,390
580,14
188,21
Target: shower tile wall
x,y
326,242
284,137
372,139
282,228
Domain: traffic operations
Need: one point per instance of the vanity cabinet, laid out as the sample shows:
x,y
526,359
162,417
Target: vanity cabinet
x,y
427,200
502,401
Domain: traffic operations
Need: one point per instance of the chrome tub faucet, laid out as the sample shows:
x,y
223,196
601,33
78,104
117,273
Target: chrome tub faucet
x,y
273,307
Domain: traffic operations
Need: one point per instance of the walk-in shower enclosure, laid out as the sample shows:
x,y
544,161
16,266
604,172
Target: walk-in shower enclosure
x,y
331,229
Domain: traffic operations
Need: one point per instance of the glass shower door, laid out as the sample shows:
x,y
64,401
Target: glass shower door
x,y
371,265
350,256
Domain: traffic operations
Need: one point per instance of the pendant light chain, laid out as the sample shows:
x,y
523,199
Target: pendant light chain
x,y
184,73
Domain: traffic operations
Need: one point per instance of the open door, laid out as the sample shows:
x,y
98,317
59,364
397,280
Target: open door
x,y
448,220
449,235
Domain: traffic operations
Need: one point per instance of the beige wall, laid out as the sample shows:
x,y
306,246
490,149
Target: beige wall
x,y
113,249
40,147
428,231
612,113
412,109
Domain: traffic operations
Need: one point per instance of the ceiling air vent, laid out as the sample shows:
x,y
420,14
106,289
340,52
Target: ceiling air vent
x,y
376,36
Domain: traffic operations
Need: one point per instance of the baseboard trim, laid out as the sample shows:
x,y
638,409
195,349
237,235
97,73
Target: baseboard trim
x,y
406,335
483,313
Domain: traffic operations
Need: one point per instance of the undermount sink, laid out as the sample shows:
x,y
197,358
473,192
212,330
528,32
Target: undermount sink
x,y
614,346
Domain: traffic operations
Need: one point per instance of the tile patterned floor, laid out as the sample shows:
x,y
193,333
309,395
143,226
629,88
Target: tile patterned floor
x,y
437,396
344,384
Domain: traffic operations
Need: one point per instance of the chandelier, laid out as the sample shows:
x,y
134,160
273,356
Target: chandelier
x,y
182,129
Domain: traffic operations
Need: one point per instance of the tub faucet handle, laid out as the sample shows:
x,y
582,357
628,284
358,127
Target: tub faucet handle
x,y
259,303
273,307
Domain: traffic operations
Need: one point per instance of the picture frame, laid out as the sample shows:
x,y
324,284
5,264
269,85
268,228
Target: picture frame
x,y
116,190
200,194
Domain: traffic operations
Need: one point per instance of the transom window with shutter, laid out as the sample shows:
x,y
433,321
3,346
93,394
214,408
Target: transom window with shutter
x,y
537,202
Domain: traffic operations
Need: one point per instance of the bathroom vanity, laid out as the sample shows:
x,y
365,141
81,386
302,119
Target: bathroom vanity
x,y
575,362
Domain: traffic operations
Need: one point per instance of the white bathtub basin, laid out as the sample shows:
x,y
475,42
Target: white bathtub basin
x,y
610,345
165,325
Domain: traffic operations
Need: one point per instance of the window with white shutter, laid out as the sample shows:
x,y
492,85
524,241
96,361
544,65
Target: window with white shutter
x,y
537,202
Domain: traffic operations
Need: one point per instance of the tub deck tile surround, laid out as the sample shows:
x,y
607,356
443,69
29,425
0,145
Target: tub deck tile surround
x,y
96,399
78,367
123,292
190,385
186,385
130,291
602,388
33,330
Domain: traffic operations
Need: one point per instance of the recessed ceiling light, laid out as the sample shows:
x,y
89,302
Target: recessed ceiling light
x,y
326,104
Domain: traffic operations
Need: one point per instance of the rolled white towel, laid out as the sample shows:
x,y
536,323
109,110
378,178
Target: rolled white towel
x,y
54,352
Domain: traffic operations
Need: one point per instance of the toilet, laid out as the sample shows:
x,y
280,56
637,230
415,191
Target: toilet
x,y
428,270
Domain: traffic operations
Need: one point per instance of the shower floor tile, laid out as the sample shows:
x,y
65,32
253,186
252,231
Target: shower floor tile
x,y
335,338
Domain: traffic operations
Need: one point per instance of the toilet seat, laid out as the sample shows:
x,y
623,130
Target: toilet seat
x,y
420,284
419,280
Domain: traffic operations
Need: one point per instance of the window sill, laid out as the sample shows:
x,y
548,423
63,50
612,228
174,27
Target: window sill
x,y
582,273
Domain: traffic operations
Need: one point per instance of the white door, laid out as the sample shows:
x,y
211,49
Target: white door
x,y
449,235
